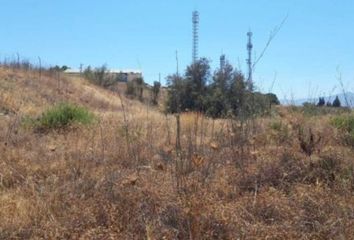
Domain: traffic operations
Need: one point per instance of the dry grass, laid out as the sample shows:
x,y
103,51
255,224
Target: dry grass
x,y
123,179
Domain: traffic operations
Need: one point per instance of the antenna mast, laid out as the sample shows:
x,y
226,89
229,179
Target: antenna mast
x,y
222,62
195,20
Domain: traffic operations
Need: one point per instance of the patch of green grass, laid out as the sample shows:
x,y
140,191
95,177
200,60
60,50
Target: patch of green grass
x,y
345,123
276,125
280,131
62,115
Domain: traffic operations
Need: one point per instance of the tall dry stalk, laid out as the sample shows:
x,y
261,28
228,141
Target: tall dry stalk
x,y
125,127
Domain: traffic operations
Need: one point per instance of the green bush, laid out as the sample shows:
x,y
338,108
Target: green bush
x,y
63,115
345,123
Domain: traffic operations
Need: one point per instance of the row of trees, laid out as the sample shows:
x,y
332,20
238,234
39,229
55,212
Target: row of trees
x,y
224,93
322,102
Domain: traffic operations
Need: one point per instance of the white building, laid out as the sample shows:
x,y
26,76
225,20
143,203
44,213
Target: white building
x,y
125,75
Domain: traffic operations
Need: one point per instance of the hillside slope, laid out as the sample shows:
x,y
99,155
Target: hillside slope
x,y
27,92
285,176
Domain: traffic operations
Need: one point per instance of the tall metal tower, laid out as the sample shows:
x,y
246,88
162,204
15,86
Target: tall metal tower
x,y
222,62
249,60
195,20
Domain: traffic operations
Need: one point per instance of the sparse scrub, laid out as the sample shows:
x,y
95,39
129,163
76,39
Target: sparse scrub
x,y
135,88
100,76
125,177
312,110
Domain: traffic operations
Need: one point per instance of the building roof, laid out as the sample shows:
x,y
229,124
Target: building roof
x,y
72,70
125,71
131,71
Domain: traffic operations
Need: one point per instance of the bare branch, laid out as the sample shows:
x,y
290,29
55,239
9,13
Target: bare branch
x,y
273,82
272,35
340,80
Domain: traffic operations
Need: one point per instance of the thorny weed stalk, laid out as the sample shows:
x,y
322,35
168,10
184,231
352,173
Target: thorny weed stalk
x,y
126,127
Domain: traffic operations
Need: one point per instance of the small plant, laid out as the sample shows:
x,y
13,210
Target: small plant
x,y
62,115
308,141
280,131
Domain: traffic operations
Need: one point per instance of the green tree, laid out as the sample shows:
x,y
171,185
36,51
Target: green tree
x,y
237,94
155,92
216,102
336,102
188,92
226,94
140,87
64,68
196,78
88,73
273,99
176,92
321,102
223,77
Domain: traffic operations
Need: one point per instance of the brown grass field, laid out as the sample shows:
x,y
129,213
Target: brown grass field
x,y
285,176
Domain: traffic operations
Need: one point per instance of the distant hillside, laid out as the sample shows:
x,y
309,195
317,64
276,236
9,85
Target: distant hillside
x,y
342,97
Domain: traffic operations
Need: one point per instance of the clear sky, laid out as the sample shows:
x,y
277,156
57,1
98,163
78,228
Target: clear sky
x,y
303,60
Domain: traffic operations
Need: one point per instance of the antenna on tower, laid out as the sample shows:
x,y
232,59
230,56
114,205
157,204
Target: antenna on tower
x,y
195,20
249,60
222,61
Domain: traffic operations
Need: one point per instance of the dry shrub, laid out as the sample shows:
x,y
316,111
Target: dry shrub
x,y
321,214
331,170
280,132
280,174
16,216
267,207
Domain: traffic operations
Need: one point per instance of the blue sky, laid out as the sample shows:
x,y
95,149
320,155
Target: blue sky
x,y
304,59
